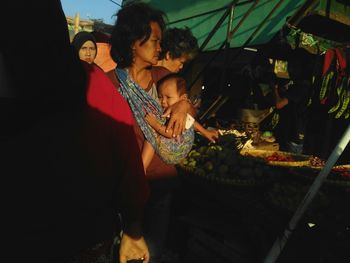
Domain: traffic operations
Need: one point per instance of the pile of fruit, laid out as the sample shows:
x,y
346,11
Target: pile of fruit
x,y
222,162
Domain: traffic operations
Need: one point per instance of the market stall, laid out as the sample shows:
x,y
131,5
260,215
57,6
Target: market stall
x,y
237,195
241,199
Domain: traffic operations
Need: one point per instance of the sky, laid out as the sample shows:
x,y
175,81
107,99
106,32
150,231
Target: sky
x,y
92,9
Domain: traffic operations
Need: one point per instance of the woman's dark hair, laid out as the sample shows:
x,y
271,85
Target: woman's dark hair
x,y
101,37
179,42
133,23
180,82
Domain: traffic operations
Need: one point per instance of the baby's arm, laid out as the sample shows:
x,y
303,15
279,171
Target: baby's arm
x,y
147,154
158,127
211,135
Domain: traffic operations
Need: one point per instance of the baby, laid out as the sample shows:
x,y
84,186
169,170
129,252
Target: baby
x,y
171,89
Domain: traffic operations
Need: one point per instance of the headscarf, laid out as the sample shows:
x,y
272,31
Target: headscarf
x,y
81,37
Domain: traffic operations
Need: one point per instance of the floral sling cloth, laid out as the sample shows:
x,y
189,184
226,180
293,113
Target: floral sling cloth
x,y
169,150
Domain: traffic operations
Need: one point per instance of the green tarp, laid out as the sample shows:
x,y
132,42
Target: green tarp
x,y
201,17
202,25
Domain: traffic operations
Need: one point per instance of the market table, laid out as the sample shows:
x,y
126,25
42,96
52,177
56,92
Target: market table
x,y
240,216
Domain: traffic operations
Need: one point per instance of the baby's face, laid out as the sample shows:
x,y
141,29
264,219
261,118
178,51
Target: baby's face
x,y
168,94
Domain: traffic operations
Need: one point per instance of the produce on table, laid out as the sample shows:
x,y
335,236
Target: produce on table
x,y
268,136
226,162
223,162
279,158
344,171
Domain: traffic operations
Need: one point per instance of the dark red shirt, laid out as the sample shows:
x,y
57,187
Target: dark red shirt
x,y
122,146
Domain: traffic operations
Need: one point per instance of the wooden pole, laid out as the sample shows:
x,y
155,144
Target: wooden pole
x,y
76,23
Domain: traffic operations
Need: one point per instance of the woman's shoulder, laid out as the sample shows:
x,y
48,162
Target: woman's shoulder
x,y
113,77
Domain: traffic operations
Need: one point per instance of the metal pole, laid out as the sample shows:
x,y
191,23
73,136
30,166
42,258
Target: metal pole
x,y
218,24
304,10
227,48
229,25
251,8
280,242
207,40
216,27
245,44
211,108
257,29
229,37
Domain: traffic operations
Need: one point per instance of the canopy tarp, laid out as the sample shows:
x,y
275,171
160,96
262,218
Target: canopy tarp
x,y
201,16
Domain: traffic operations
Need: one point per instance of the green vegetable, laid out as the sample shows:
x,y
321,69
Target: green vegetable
x,y
267,134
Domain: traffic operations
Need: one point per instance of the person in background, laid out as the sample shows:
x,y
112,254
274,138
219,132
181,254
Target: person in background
x,y
85,44
178,47
103,58
291,100
135,41
171,89
63,165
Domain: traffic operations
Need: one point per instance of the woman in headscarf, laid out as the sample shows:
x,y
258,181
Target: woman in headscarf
x,y
85,44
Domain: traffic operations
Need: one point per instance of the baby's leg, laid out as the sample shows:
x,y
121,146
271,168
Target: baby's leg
x,y
147,154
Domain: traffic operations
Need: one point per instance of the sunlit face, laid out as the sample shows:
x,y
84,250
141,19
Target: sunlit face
x,y
175,64
88,52
148,52
168,93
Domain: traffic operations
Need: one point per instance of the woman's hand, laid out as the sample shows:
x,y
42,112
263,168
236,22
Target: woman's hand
x,y
178,113
131,248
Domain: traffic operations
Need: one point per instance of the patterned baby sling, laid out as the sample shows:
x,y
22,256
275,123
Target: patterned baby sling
x,y
170,150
